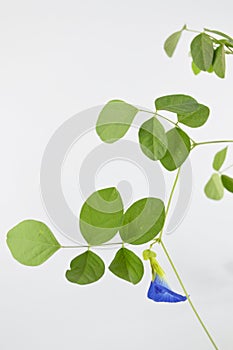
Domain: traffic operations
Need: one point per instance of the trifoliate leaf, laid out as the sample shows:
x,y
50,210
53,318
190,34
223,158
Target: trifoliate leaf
x,y
31,242
101,216
85,268
195,119
178,149
153,139
127,266
202,51
176,103
114,120
143,221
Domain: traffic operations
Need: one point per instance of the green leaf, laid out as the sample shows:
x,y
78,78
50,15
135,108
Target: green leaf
x,y
178,149
85,268
114,120
219,33
214,188
219,159
153,139
211,69
195,69
176,104
101,216
219,63
31,242
171,43
143,221
202,51
127,266
227,182
195,119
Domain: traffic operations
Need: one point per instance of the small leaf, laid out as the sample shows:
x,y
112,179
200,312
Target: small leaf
x,y
176,104
219,63
178,149
143,221
31,242
202,51
114,120
153,139
227,182
171,43
101,216
214,188
127,266
85,268
195,69
219,159
195,119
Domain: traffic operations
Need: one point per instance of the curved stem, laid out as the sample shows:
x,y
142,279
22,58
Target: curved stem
x,y
165,118
158,115
187,295
211,142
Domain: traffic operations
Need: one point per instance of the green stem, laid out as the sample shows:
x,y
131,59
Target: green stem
x,y
192,30
165,118
170,199
158,240
158,115
144,110
211,142
187,295
88,246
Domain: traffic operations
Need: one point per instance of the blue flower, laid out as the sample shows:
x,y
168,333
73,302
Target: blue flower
x,y
160,291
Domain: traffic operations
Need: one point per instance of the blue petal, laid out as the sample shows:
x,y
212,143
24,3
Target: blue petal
x,y
159,291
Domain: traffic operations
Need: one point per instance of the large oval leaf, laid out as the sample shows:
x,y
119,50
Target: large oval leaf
x,y
219,63
177,104
127,266
85,268
153,139
143,221
114,120
101,216
195,119
31,242
219,159
227,182
202,51
178,149
214,188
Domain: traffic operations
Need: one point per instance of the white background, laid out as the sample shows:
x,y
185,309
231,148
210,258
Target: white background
x,y
58,58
